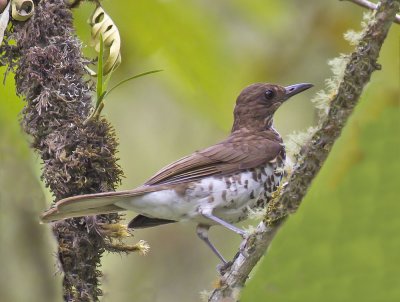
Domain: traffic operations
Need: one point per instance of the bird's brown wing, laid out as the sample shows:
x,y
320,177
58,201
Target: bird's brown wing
x,y
227,157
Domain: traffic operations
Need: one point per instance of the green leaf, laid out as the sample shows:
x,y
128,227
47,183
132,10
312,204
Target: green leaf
x,y
99,87
131,78
101,98
108,78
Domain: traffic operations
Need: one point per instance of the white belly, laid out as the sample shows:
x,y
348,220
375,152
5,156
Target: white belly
x,y
165,204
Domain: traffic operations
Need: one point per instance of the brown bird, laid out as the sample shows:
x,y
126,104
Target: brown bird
x,y
214,186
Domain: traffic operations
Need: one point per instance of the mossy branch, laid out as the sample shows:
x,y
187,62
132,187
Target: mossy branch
x,y
313,153
78,158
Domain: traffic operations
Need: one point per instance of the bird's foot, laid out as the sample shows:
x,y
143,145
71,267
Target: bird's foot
x,y
242,233
242,248
222,268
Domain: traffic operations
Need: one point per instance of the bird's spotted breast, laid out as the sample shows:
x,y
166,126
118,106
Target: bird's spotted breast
x,y
230,197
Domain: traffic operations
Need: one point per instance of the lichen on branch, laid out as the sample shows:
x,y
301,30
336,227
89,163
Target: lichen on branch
x,y
344,93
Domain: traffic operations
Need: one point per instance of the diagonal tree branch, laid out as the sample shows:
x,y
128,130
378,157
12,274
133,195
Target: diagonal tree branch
x,y
360,65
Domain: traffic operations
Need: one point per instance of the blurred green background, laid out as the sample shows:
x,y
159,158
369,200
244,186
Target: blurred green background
x,y
342,245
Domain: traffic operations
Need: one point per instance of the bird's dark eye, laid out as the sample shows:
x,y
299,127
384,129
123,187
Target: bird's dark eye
x,y
269,94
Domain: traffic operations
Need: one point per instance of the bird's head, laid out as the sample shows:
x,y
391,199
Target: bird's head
x,y
257,103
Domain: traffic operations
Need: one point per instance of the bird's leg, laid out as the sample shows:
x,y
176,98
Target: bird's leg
x,y
225,224
202,232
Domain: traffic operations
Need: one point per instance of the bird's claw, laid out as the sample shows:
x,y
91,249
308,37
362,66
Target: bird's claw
x,y
242,249
222,268
244,235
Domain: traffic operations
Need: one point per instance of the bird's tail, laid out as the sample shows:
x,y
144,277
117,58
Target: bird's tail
x,y
85,205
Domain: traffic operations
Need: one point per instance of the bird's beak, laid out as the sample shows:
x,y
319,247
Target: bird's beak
x,y
296,88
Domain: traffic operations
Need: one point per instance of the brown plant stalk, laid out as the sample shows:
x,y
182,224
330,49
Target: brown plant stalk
x,y
361,63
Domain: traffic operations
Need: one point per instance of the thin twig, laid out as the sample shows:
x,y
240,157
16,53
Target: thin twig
x,y
361,63
372,6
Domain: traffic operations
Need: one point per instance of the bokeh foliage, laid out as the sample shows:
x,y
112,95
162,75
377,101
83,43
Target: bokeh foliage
x,y
341,245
